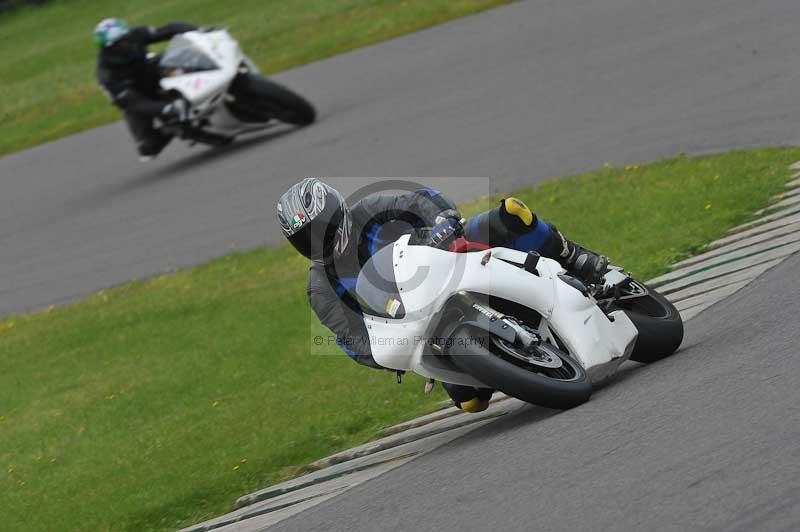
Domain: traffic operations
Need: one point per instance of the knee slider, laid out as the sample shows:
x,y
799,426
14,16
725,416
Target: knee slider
x,y
475,405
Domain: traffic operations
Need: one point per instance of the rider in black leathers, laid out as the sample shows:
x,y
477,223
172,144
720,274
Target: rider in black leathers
x,y
131,80
340,239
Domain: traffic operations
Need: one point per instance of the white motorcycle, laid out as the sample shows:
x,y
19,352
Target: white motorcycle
x,y
508,320
226,95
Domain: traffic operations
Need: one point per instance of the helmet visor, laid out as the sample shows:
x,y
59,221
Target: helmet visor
x,y
318,237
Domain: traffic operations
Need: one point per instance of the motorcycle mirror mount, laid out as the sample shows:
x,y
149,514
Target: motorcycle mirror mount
x,y
531,261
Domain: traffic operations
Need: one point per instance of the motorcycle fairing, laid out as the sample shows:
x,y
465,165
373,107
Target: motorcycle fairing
x,y
597,342
204,89
199,87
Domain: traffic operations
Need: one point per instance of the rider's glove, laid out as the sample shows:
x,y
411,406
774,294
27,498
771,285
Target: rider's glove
x,y
178,108
453,214
445,231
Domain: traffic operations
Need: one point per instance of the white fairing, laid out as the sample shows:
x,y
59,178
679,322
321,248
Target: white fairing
x,y
206,91
427,277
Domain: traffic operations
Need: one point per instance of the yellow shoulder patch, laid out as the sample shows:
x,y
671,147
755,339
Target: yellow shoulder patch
x,y
519,209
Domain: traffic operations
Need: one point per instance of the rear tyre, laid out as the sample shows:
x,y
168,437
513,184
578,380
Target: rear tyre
x,y
258,99
659,323
491,361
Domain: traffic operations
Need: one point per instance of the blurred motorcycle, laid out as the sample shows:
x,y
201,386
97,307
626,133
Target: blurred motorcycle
x,y
225,93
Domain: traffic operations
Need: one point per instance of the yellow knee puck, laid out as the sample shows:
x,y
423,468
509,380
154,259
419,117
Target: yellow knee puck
x,y
518,209
475,405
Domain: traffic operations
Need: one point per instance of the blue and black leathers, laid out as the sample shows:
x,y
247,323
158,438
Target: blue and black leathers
x,y
131,81
378,220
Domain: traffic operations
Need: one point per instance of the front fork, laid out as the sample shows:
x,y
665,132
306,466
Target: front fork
x,y
464,309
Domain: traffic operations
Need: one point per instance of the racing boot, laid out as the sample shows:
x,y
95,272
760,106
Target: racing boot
x,y
587,265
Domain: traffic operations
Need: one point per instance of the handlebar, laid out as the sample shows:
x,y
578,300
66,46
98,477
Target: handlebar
x,y
454,232
425,237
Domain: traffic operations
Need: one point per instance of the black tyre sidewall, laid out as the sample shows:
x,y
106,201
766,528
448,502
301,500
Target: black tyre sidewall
x,y
475,359
658,337
268,98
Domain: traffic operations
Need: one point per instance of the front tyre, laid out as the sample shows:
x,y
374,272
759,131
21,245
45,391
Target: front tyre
x,y
257,99
550,378
658,321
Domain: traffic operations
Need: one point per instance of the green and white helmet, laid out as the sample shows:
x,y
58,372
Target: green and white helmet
x,y
109,31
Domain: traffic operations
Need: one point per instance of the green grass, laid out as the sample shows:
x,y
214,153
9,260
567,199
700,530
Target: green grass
x,y
47,76
646,217
155,404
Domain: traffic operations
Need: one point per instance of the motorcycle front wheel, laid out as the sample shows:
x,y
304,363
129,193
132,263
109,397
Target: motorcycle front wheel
x,y
258,99
547,377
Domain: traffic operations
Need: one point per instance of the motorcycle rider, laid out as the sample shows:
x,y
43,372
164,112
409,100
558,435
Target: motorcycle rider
x,y
340,239
132,81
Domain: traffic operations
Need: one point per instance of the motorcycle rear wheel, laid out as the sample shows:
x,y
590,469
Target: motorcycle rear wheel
x,y
488,360
659,324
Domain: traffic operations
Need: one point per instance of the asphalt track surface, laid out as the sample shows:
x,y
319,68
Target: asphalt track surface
x,y
523,93
708,439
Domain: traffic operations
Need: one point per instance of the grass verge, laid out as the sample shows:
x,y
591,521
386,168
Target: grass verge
x,y
154,405
48,87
